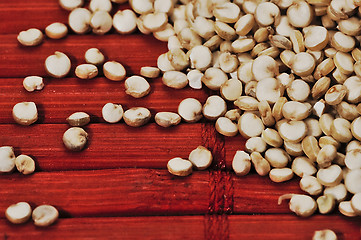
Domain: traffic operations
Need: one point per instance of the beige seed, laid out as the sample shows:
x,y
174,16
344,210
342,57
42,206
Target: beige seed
x,y
137,116
112,113
233,114
346,209
100,5
260,164
136,86
86,71
45,215
302,166
269,89
250,125
339,192
214,78
264,67
353,159
241,163
353,85
7,159
293,110
267,13
330,176
352,180
231,90
300,204
326,203
57,65
101,22
25,164
78,119
272,137
303,64
201,158
214,107
326,121
167,119
311,185
310,147
316,38
79,20
277,157
200,57
18,213
75,138
356,203
325,234
280,174
195,79
25,113
341,130
226,127
32,83
255,144
71,4
190,109
94,56
335,94
300,14
179,167
326,155
178,59
344,62
320,87
56,30
114,71
149,72
30,37
356,128
293,131
155,21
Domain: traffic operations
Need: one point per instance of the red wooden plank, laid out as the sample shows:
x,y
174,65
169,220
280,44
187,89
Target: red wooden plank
x,y
60,98
180,227
110,145
285,227
133,51
116,192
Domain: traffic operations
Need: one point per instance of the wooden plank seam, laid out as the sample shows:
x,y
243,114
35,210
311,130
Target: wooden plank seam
x,y
220,184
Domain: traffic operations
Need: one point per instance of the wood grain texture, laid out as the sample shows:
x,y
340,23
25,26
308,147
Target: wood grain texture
x,y
118,192
109,145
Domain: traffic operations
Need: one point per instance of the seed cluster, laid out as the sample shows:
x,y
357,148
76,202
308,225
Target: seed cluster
x,y
290,68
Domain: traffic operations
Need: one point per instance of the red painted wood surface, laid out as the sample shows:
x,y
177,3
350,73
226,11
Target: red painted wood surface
x,y
118,187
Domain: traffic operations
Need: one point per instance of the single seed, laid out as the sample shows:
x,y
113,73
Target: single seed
x,y
18,213
250,125
25,113
125,21
149,72
100,5
255,144
339,192
346,209
341,130
179,167
353,159
57,65
300,204
241,163
71,4
101,22
32,83
178,59
325,234
136,86
302,166
75,138
94,56
112,113
280,174
330,176
114,71
195,79
30,37
260,164
311,185
86,71
25,164
356,203
137,116
201,158
326,155
200,57
56,30
175,79
7,159
45,215
79,20
226,127
335,94
78,119
190,109
326,203
167,119
293,131
272,137
213,78
214,107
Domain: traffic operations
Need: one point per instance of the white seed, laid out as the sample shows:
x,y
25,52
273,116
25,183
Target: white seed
x,y
353,145
320,87
137,116
214,107
264,67
277,157
224,30
242,45
25,113
297,40
311,185
228,62
57,65
179,167
114,71
353,159
247,103
190,109
190,39
294,110
226,127
346,209
178,59
30,37
330,176
18,213
310,147
78,119
45,215
250,125
303,64
302,166
339,192
341,130
86,71
250,88
244,72
166,32
356,128
204,27
227,12
7,159
165,6
319,109
293,131
300,14
267,13
25,164
342,42
313,127
269,89
200,57
101,22
136,86
94,56
260,164
195,79
335,94
142,6
149,72
277,108
233,114
316,38
298,90
280,174
214,78
244,24
164,64
167,119
71,4
175,79
124,21
100,5
326,203
255,144
325,234
352,180
201,158
79,20
300,204
155,21
353,85
266,113
112,113
356,203
326,121
344,62
326,155
56,30
231,89
32,83
241,163
272,137
75,138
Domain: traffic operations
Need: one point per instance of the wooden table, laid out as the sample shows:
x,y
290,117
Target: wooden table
x,y
119,187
